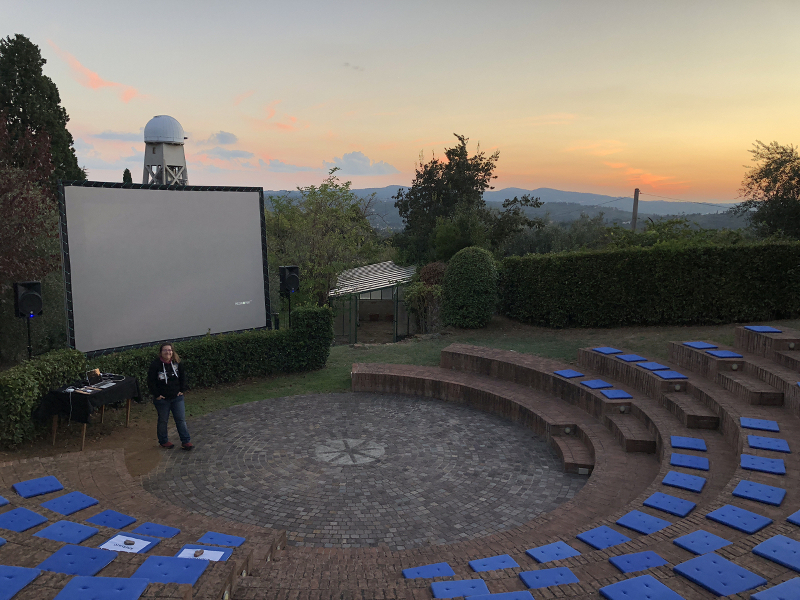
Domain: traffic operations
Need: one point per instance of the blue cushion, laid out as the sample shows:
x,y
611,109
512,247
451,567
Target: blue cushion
x,y
2,541
503,561
760,492
226,552
739,518
768,443
69,503
3,501
162,531
461,587
724,354
762,329
688,443
776,466
548,577
170,569
221,539
638,588
615,394
596,384
607,350
782,550
701,542
689,461
568,373
602,537
794,519
14,579
105,588
670,504
428,571
693,483
700,345
762,424
118,546
670,375
77,560
631,357
630,563
653,366
111,518
788,590
642,522
719,576
67,531
38,486
20,519
526,595
554,551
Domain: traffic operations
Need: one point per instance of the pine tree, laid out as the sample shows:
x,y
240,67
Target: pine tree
x,y
126,176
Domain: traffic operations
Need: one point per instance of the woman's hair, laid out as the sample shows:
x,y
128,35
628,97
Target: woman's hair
x,y
175,356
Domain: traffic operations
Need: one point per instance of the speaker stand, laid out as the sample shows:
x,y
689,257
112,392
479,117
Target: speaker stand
x,y
30,348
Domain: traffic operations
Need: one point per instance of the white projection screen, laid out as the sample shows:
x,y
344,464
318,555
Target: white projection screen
x,y
143,264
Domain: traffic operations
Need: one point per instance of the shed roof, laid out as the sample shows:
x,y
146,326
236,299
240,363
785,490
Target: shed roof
x,y
371,277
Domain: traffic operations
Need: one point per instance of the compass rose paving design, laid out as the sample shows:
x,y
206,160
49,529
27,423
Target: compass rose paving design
x,y
354,470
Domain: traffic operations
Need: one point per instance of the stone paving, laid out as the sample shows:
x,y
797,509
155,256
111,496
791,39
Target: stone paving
x,y
354,470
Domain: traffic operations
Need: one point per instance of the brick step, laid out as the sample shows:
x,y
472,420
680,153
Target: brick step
x,y
766,344
691,412
789,359
750,389
631,433
576,457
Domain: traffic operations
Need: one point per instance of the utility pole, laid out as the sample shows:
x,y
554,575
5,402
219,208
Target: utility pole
x,y
635,209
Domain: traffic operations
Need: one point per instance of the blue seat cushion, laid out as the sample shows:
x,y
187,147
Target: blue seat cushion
x,y
782,550
639,588
162,531
759,492
794,519
631,357
15,579
653,366
693,483
554,551
111,518
525,595
602,537
700,345
20,519
739,518
670,504
3,501
69,503
767,443
38,486
718,575
607,350
762,329
688,443
117,543
670,375
776,466
760,424
630,563
616,394
568,373
642,522
429,571
105,588
170,569
77,560
207,550
701,542
724,354
689,461
221,539
461,587
548,577
596,384
67,531
788,590
503,561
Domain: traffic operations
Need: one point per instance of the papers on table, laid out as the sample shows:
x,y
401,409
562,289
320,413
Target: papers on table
x,y
214,555
117,543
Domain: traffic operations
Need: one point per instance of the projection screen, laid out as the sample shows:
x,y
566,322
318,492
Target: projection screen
x,y
143,264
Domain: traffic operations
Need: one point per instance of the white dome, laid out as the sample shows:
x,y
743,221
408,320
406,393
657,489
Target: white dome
x,y
163,129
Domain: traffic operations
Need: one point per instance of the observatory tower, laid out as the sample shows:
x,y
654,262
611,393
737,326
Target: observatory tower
x,y
164,159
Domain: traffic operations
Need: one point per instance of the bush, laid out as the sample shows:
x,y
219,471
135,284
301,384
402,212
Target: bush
x,y
662,285
433,273
470,289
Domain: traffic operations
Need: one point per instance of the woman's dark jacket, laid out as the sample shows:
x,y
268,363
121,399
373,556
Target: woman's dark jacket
x,y
165,379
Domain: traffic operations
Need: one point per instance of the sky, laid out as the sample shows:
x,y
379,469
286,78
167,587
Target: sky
x,y
584,96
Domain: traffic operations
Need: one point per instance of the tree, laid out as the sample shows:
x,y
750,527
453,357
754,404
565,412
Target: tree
x,y
32,104
126,176
772,190
469,291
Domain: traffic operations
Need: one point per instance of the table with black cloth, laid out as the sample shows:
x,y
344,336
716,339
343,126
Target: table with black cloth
x,y
76,406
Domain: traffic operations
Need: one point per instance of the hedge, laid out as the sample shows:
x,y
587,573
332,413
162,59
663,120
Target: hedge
x,y
469,290
653,286
209,360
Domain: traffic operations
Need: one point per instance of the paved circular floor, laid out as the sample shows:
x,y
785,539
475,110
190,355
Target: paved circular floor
x,y
350,470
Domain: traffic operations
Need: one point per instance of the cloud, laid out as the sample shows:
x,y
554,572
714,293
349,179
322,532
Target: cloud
x,y
597,147
347,65
92,80
120,135
356,163
221,137
226,153
644,178
242,97
278,166
287,122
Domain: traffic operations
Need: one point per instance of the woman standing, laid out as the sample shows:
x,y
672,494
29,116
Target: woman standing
x,y
166,380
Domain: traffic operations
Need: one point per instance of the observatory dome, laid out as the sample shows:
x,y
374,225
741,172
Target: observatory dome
x,y
163,129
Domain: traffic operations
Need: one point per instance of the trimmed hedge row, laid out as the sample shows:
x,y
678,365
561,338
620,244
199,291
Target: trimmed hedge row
x,y
653,286
209,360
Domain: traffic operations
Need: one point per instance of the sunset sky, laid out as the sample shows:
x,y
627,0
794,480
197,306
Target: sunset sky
x,y
582,96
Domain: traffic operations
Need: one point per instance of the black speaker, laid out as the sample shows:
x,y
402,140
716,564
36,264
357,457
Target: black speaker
x,y
28,299
290,279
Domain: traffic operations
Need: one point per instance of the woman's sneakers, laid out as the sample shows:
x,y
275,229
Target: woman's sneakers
x,y
168,445
187,445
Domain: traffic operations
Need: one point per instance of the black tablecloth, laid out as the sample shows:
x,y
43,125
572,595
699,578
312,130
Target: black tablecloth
x,y
78,407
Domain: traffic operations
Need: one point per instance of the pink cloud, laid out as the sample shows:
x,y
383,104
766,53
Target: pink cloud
x,y
242,97
597,147
640,177
286,122
90,79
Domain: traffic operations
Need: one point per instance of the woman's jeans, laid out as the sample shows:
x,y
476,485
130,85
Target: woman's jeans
x,y
176,405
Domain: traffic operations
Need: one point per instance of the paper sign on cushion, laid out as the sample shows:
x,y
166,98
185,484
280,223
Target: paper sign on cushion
x,y
117,543
207,554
